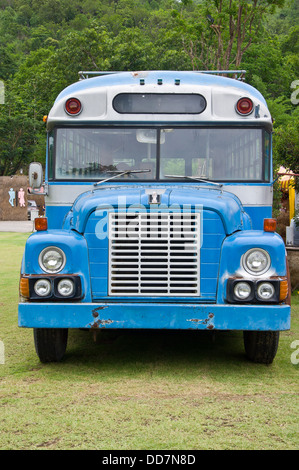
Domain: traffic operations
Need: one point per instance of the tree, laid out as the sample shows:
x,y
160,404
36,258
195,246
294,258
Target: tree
x,y
16,143
286,146
221,31
45,43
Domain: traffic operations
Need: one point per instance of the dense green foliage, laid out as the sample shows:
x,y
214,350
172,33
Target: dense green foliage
x,y
44,43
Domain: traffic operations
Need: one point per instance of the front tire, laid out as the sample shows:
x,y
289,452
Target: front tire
x,y
50,343
261,346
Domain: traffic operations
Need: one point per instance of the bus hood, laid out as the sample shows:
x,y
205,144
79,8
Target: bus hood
x,y
158,198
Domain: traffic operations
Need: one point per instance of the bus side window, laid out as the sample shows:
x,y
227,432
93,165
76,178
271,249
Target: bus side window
x,y
267,153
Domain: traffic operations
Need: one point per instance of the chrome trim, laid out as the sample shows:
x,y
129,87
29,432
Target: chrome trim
x,y
154,254
256,273
40,259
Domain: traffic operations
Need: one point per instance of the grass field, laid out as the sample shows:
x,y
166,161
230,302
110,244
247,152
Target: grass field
x,y
141,390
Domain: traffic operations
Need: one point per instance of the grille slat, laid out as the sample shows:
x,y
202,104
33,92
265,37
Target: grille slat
x,y
154,254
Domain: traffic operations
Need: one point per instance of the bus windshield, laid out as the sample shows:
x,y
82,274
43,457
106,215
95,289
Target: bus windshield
x,y
219,154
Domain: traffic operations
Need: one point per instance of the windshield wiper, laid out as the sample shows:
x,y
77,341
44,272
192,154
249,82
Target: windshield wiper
x,y
120,173
196,178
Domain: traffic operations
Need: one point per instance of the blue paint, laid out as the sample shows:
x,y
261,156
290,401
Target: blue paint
x,y
257,215
12,196
154,316
226,205
56,216
238,243
73,245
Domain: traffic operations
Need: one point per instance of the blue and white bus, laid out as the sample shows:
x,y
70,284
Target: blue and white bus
x,y
158,189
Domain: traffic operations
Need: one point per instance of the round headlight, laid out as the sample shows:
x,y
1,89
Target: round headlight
x,y
52,259
265,291
42,287
65,287
256,261
242,290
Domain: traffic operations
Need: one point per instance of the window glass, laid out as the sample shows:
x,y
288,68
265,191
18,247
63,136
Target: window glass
x,y
219,154
267,155
50,154
159,103
99,153
216,154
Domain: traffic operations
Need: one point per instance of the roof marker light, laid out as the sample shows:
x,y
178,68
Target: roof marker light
x,y
73,106
244,106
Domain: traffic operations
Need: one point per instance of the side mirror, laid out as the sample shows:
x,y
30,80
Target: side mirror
x,y
35,175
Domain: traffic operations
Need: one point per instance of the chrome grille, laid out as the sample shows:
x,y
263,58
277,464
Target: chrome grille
x,y
154,254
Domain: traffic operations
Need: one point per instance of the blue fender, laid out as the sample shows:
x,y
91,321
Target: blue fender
x,y
237,244
73,245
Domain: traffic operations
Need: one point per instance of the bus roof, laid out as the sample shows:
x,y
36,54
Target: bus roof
x,y
221,94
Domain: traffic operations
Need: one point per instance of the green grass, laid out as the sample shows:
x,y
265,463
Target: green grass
x,y
141,390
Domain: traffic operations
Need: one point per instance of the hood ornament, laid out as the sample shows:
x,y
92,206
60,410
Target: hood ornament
x,y
154,198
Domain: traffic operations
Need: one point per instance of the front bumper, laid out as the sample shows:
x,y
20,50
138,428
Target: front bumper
x,y
154,316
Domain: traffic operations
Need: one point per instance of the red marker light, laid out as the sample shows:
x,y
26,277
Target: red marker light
x,y
73,106
244,106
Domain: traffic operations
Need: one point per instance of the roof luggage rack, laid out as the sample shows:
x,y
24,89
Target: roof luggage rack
x,y
237,74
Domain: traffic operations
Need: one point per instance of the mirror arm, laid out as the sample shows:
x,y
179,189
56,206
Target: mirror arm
x,y
39,193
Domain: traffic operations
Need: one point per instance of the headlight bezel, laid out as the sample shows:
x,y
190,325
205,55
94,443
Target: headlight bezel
x,y
42,262
248,269
54,294
255,285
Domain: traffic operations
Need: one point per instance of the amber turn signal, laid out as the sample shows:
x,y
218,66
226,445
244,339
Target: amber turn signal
x,y
269,225
283,291
24,287
41,224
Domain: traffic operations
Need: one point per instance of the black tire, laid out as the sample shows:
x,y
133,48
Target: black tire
x,y
50,343
261,346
